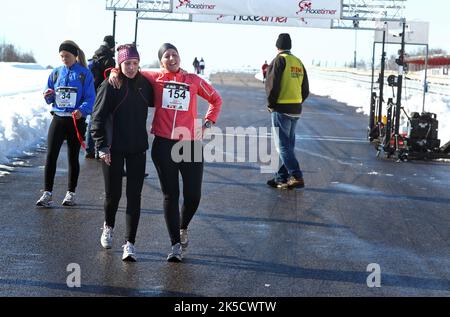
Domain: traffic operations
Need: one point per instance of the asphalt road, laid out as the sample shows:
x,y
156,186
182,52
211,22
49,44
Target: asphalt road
x,y
357,212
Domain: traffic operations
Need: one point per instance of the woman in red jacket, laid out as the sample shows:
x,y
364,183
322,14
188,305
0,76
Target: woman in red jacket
x,y
177,130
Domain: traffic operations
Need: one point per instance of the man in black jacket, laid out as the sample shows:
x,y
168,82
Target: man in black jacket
x,y
102,60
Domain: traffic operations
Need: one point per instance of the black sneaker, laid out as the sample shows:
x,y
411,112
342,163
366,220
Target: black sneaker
x,y
295,182
276,184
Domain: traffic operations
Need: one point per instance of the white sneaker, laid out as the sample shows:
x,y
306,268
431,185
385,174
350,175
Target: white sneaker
x,y
106,238
129,252
176,254
184,238
45,201
69,200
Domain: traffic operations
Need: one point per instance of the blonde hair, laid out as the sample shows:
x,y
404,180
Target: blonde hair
x,y
81,58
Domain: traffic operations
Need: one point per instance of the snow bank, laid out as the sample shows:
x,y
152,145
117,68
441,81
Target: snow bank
x,y
24,116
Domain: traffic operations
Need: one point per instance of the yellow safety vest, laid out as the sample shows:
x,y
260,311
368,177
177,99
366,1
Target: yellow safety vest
x,y
291,81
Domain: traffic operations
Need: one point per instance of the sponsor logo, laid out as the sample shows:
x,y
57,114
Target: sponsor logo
x,y
182,3
296,72
196,6
247,18
260,19
305,6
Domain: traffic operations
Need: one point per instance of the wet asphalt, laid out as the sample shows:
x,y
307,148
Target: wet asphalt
x,y
357,212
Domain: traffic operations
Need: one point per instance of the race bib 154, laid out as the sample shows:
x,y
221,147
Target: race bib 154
x,y
176,96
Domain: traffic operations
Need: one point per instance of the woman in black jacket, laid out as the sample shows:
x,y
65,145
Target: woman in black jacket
x,y
120,133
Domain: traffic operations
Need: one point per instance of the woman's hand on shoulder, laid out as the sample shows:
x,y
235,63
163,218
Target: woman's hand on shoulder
x,y
105,157
114,79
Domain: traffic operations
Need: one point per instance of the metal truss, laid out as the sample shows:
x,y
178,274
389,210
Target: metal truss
x,y
140,5
148,9
356,14
369,14
162,16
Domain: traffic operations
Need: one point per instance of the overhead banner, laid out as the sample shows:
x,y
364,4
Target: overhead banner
x,y
416,32
260,20
311,9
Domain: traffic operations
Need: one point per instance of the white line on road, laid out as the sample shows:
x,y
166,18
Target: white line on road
x,y
298,137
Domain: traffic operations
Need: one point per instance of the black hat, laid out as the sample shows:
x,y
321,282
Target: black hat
x,y
164,48
109,41
69,47
284,42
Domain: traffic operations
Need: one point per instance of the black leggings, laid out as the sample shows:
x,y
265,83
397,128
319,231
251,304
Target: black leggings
x,y
168,172
62,128
135,165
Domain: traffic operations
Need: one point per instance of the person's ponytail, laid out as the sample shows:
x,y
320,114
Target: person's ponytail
x,y
82,58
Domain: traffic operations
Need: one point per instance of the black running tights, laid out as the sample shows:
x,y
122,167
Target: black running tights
x,y
135,170
168,172
62,128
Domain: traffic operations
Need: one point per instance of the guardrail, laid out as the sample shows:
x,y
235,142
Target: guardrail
x,y
436,86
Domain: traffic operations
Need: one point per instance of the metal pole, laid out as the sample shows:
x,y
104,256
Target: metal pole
x,y
355,26
381,79
372,104
398,105
114,24
137,21
354,57
373,66
425,81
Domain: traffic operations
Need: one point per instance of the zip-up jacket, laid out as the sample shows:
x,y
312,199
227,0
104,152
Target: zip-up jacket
x,y
176,103
68,82
120,116
287,85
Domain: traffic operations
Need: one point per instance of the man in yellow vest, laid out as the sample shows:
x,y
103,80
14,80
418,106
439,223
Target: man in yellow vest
x,y
287,88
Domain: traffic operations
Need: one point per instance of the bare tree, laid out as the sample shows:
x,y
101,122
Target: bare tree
x,y
8,53
28,58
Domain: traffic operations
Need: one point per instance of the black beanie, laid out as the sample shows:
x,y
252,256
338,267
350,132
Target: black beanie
x,y
68,48
284,42
164,48
109,41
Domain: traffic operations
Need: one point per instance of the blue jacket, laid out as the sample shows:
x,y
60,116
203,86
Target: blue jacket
x,y
77,77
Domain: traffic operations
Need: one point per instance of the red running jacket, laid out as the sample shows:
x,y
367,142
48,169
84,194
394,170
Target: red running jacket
x,y
176,103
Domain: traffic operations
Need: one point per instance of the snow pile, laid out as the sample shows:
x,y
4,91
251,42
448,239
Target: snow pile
x,y
24,116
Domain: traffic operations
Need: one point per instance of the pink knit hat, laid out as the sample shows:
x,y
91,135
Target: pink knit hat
x,y
126,52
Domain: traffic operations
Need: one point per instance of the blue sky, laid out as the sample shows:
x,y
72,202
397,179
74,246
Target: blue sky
x,y
40,26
